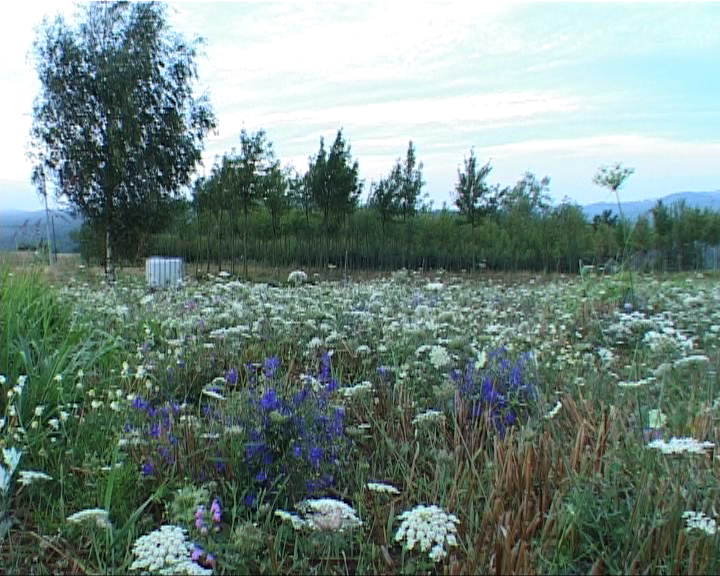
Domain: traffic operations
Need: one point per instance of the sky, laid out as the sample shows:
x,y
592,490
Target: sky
x,y
557,89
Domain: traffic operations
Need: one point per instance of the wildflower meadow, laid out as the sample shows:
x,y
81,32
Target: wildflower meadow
x,y
414,423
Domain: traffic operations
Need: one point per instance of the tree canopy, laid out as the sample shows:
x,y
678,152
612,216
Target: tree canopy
x,y
116,124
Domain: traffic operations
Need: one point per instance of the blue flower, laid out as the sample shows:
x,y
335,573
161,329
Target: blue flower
x,y
314,456
231,376
269,400
271,365
261,476
148,468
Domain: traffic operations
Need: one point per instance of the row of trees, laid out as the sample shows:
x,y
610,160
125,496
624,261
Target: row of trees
x,y
118,128
282,223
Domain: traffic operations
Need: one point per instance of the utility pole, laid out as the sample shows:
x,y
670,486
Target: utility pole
x,y
47,220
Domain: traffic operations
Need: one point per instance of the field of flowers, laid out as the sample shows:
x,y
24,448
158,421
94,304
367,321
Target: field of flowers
x,y
408,424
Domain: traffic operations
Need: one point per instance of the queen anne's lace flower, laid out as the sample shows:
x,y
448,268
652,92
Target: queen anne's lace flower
x,y
329,514
429,526
382,488
29,476
681,445
429,416
698,521
439,357
97,515
165,551
297,277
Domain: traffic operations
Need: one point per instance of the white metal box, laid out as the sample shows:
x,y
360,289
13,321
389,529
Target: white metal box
x,y
161,272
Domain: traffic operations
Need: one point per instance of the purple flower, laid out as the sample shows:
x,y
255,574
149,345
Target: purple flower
x,y
269,400
148,468
197,553
314,456
216,511
200,519
231,376
139,403
261,476
271,365
249,499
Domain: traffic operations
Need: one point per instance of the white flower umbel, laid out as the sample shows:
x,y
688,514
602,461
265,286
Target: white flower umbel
x,y
696,359
382,488
656,419
429,416
698,521
328,514
11,456
439,357
554,412
430,527
27,477
681,446
165,551
297,277
297,522
97,515
357,390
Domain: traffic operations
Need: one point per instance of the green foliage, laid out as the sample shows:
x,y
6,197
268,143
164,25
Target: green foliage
x,y
116,123
472,194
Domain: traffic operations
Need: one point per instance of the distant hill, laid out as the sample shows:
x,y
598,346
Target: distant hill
x,y
26,228
632,210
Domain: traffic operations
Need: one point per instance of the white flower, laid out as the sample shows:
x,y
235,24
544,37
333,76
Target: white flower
x,y
357,390
698,521
11,456
165,551
213,394
97,515
439,357
554,412
297,522
297,277
327,514
636,383
429,416
430,526
698,359
29,476
382,488
656,419
681,446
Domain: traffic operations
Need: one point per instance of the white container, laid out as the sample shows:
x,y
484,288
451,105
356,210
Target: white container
x,y
161,272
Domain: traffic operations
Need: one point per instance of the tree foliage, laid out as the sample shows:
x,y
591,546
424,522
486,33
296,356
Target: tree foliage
x,y
473,195
116,123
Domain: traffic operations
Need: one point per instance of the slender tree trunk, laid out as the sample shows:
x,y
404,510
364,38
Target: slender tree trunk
x,y
245,257
109,266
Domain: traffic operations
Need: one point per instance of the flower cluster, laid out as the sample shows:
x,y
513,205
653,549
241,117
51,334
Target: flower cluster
x,y
681,446
382,488
430,527
11,456
201,522
429,416
698,521
97,515
166,551
323,515
299,437
504,389
297,277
